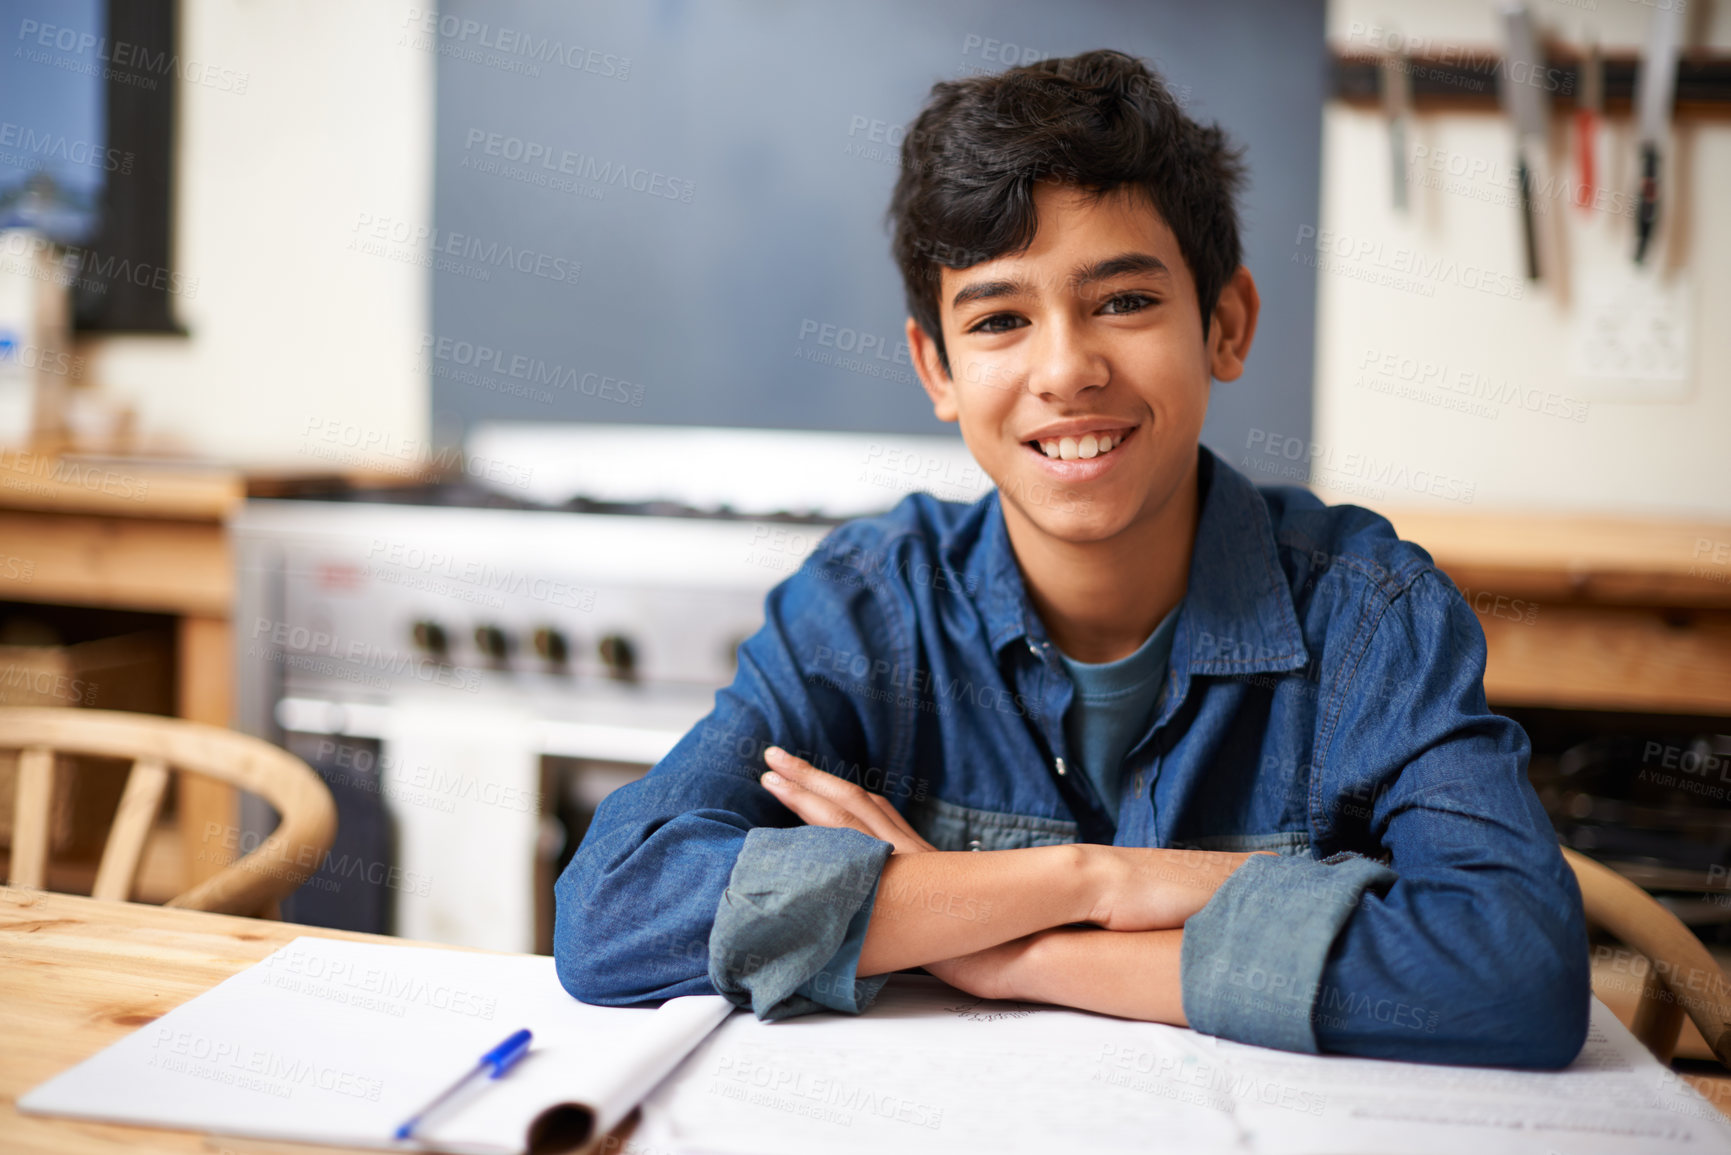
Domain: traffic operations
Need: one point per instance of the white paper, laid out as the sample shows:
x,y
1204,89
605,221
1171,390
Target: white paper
x,y
929,1071
1614,1099
339,1042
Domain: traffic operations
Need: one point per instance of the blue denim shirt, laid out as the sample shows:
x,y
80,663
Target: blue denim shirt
x,y
1110,704
1324,700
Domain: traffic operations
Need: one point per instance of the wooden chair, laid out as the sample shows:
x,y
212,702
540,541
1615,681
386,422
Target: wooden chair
x,y
1681,975
277,866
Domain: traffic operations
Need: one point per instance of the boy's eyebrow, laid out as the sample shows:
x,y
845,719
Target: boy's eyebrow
x,y
1117,266
985,290
1101,270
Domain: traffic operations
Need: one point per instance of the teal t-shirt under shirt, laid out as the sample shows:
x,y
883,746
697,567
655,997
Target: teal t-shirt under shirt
x,y
1111,706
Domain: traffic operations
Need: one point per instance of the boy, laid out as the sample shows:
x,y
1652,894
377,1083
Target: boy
x,y
1128,734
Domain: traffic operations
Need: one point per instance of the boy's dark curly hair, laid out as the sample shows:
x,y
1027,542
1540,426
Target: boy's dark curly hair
x,y
1097,121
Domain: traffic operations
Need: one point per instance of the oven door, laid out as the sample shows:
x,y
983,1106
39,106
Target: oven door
x,y
455,818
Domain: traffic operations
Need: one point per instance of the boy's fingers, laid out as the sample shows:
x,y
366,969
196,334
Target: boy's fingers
x,y
887,808
814,808
780,759
815,780
896,820
817,810
822,799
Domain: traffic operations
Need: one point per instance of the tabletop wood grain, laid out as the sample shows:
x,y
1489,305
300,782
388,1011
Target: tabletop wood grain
x,y
77,974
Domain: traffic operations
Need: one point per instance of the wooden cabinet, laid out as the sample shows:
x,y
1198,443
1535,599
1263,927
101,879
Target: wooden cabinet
x,y
135,536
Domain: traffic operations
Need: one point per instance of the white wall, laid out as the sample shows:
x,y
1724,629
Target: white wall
x,y
288,326
1450,331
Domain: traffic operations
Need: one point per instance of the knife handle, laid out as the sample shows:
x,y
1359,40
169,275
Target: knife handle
x,y
1586,130
1528,226
1647,214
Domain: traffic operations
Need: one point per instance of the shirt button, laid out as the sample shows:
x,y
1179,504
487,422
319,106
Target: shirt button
x,y
973,844
1138,784
1032,648
1058,765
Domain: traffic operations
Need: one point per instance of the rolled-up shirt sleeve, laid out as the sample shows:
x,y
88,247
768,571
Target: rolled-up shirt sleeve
x,y
1253,958
1469,946
698,856
792,922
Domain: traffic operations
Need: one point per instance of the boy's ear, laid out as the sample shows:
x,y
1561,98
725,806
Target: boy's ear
x,y
930,367
1233,326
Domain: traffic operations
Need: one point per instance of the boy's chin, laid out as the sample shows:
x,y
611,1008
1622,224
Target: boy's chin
x,y
1078,523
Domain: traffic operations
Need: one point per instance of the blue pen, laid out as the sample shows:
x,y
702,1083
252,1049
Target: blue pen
x,y
499,1060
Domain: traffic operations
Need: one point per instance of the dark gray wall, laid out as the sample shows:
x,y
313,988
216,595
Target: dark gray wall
x,y
766,122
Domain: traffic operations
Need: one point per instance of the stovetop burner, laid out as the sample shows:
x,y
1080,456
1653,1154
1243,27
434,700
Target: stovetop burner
x,y
465,494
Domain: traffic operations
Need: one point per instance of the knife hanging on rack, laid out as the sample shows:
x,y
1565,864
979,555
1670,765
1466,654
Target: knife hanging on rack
x,y
1524,101
1397,106
1655,88
1589,109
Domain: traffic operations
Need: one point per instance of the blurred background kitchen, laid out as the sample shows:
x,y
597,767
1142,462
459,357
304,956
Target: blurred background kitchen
x,y
437,390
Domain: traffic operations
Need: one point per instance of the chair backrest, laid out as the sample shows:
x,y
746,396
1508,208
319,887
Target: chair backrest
x,y
277,866
1682,977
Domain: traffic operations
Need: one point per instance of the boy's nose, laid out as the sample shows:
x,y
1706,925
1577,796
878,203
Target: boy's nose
x,y
1064,364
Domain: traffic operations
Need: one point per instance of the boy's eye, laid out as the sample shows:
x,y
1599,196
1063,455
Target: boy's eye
x,y
996,323
1128,303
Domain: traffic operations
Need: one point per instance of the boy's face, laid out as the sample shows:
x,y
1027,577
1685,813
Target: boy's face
x,y
1092,331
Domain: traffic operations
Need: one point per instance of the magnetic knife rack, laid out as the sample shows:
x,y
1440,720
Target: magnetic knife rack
x,y
1468,82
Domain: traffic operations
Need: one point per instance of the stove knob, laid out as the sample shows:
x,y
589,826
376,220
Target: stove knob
x,y
552,646
619,657
492,643
430,636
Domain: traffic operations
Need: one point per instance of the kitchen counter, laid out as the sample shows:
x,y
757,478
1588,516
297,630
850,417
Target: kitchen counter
x,y
144,535
134,535
1592,612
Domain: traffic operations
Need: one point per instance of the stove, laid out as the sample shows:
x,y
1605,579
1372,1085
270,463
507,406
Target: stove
x,y
473,664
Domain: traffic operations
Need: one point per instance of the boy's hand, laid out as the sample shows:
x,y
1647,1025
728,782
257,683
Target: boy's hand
x,y
824,800
1157,889
986,974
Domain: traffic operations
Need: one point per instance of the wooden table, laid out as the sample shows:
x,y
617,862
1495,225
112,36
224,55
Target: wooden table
x,y
77,974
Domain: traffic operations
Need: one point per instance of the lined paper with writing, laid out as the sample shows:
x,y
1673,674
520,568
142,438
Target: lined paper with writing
x,y
927,1068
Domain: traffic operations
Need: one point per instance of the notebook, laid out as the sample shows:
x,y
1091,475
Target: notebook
x,y
339,1042
931,1071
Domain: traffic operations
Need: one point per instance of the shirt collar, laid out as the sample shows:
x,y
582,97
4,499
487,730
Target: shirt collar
x,y
1237,616
1010,616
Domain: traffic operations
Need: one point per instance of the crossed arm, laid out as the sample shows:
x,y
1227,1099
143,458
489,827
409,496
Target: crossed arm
x,y
1002,924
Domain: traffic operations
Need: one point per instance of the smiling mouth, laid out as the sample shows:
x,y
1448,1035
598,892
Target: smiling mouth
x,y
1083,448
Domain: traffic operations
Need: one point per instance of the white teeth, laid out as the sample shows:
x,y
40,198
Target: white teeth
x,y
1089,445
